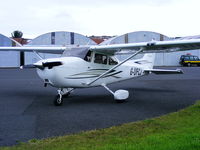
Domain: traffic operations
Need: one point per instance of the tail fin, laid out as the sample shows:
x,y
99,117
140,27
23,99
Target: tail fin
x,y
147,60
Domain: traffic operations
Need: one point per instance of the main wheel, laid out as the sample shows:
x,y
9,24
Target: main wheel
x,y
58,101
189,64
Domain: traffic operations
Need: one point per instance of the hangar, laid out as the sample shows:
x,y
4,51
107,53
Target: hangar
x,y
63,38
9,59
172,59
139,36
162,59
60,38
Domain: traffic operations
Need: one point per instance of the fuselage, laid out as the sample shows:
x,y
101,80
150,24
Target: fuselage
x,y
76,72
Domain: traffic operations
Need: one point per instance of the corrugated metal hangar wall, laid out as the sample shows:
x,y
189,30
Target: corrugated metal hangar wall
x,y
53,39
140,36
8,59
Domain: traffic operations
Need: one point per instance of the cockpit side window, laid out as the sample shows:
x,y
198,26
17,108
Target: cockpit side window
x,y
88,57
100,59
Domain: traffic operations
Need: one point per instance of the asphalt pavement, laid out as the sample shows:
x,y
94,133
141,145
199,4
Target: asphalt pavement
x,y
27,111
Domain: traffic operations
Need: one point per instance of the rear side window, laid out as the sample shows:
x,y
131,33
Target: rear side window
x,y
187,58
191,58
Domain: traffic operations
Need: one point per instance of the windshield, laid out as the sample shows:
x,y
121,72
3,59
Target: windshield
x,y
76,52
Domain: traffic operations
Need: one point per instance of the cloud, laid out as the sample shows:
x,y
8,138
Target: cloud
x,y
113,17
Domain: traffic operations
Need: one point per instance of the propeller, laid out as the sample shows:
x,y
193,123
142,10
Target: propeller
x,y
50,65
43,65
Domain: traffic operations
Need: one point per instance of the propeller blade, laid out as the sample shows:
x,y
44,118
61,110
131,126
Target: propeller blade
x,y
27,66
50,65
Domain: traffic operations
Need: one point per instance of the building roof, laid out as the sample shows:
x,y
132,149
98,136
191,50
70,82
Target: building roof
x,y
97,40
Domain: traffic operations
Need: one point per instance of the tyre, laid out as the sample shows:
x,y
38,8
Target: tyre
x,y
58,101
189,64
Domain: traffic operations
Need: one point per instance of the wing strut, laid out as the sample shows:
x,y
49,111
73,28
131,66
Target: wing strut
x,y
136,53
38,55
119,95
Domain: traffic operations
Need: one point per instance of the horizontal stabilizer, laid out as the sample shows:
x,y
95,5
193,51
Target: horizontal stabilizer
x,y
163,71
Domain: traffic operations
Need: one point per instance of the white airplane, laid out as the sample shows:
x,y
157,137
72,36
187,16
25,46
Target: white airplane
x,y
90,66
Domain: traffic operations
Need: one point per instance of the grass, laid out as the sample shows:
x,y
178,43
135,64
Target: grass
x,y
175,131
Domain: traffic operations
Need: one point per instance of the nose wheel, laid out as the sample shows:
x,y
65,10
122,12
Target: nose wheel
x,y
58,100
62,92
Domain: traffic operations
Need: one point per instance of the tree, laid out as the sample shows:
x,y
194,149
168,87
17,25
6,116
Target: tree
x,y
17,34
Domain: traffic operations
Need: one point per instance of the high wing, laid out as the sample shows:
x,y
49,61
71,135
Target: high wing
x,y
150,47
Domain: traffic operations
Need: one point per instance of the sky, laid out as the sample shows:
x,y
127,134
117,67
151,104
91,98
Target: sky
x,y
173,18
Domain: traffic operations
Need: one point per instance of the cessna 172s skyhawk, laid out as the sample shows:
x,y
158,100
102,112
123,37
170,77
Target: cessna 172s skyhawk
x,y
89,66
